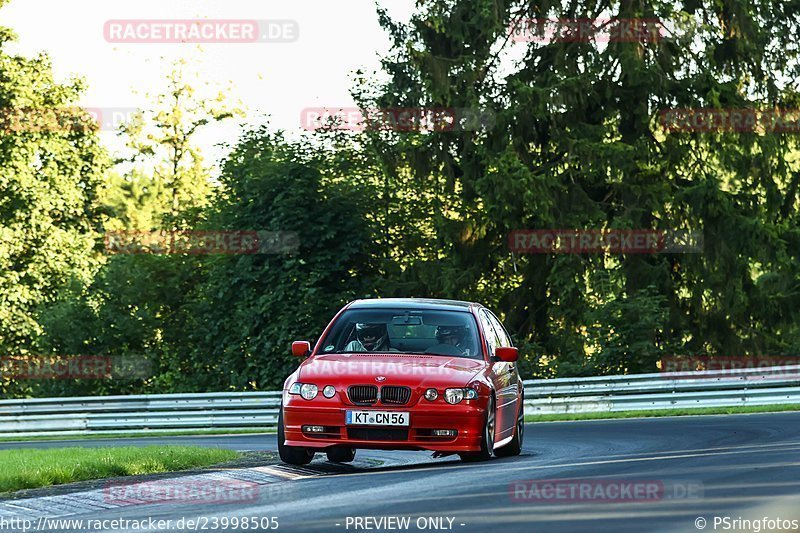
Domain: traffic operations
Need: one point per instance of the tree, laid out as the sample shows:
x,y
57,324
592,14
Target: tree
x,y
134,305
250,307
577,144
51,165
163,176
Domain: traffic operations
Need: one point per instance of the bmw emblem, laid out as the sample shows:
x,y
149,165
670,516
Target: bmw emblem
x,y
380,378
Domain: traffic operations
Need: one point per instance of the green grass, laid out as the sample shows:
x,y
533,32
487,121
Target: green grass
x,y
31,468
90,436
665,412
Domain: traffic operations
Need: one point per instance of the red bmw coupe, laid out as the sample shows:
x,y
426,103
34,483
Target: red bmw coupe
x,y
404,374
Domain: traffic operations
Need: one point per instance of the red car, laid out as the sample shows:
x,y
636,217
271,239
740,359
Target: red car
x,y
404,374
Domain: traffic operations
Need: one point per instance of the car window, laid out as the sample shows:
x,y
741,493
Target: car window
x,y
488,329
502,334
416,331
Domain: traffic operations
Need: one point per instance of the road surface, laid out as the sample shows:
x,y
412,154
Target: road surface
x,y
659,474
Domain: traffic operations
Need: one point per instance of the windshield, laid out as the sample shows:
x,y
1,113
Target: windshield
x,y
417,331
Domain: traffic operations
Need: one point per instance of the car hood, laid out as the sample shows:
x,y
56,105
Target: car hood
x,y
397,369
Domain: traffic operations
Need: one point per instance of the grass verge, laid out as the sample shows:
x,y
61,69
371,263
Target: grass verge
x,y
90,436
665,412
27,468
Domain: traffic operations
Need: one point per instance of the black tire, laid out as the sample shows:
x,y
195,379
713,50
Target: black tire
x,y
487,439
515,446
293,455
340,455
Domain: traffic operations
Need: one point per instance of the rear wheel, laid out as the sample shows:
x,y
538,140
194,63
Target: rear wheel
x,y
515,446
487,439
294,455
341,455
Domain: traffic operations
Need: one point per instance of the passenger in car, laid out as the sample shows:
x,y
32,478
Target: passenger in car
x,y
451,339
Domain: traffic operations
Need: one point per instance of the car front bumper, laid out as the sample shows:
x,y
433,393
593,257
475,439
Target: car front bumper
x,y
466,418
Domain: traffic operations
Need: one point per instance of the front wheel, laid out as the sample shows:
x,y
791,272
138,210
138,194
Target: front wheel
x,y
515,446
293,455
487,439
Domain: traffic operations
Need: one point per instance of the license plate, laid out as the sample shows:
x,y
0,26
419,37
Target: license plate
x,y
376,418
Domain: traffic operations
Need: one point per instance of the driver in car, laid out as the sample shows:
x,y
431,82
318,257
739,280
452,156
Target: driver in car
x,y
369,338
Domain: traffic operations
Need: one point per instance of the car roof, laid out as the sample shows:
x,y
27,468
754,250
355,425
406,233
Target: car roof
x,y
413,303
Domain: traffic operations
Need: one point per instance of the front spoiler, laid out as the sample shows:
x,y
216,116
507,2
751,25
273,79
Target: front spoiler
x,y
467,419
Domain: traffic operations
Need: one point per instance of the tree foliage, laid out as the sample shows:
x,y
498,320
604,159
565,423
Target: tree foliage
x,y
574,141
251,307
51,165
577,144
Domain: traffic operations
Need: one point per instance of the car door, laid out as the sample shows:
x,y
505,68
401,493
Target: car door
x,y
508,394
501,378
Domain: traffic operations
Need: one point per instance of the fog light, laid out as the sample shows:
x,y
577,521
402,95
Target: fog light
x,y
329,391
431,394
443,432
313,429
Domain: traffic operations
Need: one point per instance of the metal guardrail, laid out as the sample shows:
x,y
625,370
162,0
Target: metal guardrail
x,y
139,414
248,410
668,390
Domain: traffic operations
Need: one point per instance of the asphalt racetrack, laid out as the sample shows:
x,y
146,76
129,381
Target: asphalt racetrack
x,y
660,474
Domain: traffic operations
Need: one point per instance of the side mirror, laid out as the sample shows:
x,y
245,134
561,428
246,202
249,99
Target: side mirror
x,y
301,348
509,354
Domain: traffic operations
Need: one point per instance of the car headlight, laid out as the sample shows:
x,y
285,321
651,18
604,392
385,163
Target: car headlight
x,y
329,391
431,394
456,395
306,390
